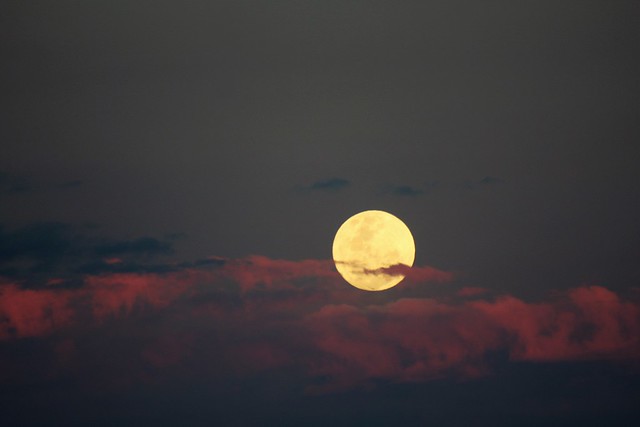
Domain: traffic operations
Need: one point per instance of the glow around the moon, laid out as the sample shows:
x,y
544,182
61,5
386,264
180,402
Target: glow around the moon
x,y
369,242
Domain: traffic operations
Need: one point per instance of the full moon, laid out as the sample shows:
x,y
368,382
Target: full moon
x,y
369,242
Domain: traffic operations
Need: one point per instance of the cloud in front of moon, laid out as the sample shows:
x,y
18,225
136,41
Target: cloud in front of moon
x,y
368,246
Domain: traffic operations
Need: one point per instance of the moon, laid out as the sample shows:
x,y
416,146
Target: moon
x,y
369,242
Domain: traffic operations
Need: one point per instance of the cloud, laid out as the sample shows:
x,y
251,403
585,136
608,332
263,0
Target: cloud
x,y
244,317
146,245
37,312
120,294
487,181
17,184
36,251
593,322
13,184
266,273
331,184
421,339
414,274
406,190
29,313
44,240
282,283
471,291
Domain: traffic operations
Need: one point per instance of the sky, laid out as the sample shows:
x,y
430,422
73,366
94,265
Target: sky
x,y
172,175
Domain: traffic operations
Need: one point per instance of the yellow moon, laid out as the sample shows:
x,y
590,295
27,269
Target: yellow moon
x,y
369,242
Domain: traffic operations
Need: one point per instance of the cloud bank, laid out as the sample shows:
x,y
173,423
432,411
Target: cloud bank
x,y
257,315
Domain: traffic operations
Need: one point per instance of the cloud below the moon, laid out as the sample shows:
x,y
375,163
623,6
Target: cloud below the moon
x,y
257,314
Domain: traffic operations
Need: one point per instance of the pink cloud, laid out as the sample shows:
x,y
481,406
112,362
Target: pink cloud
x,y
120,294
406,340
258,270
418,339
471,291
301,314
592,322
30,313
36,312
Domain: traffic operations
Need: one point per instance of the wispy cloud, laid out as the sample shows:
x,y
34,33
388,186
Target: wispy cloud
x,y
331,184
414,274
42,249
12,184
406,190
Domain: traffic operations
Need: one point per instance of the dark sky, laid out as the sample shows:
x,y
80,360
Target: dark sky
x,y
172,175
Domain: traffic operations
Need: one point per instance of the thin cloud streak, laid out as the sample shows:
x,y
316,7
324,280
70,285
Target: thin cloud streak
x,y
414,274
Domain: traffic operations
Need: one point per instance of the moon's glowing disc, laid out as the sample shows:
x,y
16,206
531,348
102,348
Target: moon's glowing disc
x,y
367,244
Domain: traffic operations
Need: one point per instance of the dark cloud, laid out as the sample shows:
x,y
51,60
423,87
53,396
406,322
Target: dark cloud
x,y
13,184
40,241
406,190
204,262
109,266
38,250
330,184
142,245
115,265
17,184
414,274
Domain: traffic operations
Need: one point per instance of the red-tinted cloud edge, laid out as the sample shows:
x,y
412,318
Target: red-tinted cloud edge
x,y
335,332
